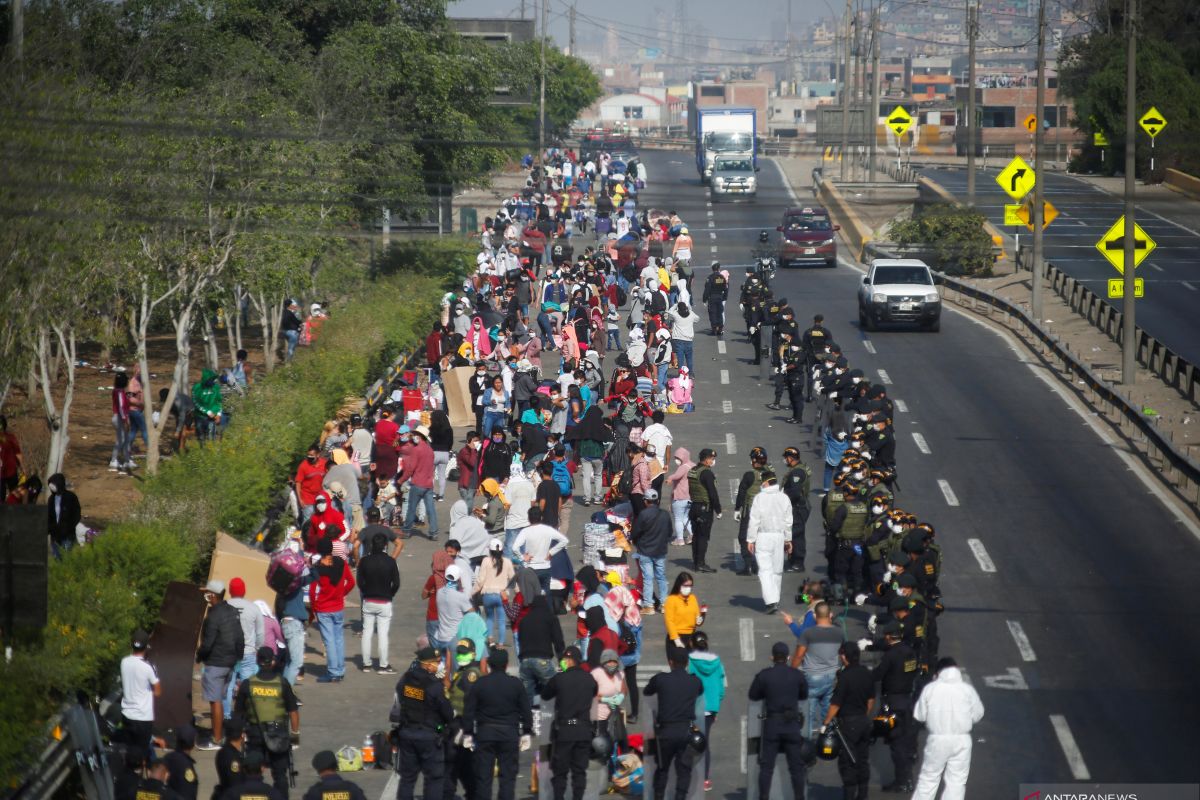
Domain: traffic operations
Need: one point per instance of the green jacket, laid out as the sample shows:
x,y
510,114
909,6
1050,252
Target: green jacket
x,y
206,393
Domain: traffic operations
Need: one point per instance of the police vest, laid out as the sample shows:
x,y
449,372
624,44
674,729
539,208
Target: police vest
x,y
462,682
876,551
696,489
413,708
833,501
854,527
801,475
266,698
756,485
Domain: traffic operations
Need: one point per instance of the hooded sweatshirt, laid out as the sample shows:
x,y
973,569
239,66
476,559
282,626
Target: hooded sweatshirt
x,y
327,594
469,531
322,522
206,393
679,478
708,668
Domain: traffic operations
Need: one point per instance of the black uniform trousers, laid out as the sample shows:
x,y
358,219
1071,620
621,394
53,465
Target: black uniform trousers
x,y
280,765
743,529
795,387
701,517
487,755
672,749
459,768
786,738
902,739
799,523
848,564
716,313
569,758
756,340
856,730
420,753
780,382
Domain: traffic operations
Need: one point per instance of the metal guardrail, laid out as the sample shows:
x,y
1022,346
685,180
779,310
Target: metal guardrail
x,y
769,148
64,755
377,392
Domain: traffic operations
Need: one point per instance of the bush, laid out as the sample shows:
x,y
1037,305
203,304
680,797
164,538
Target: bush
x,y
953,236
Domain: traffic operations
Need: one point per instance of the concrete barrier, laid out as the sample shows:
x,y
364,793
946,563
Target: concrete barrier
x,y
1183,183
855,232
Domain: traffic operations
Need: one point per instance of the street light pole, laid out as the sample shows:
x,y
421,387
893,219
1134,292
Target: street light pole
x,y
972,35
542,95
846,95
1128,317
873,122
1038,140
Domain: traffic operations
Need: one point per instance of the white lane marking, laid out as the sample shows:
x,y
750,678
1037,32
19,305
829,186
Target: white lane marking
x,y
724,376
1188,285
721,346
712,235
713,248
947,492
786,183
901,406
1023,645
922,445
708,203
981,555
870,346
1012,680
392,788
727,406
709,212
733,487
712,224
1066,741
745,738
883,376
731,444
1157,267
746,638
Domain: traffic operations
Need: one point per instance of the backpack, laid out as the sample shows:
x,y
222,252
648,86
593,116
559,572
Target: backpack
x,y
562,476
622,297
625,483
286,571
630,273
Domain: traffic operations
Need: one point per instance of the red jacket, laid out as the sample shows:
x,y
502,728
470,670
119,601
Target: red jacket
x,y
418,465
468,465
433,348
327,593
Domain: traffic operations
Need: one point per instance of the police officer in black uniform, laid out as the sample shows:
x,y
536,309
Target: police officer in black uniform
x,y
230,758
424,712
330,785
677,691
497,723
181,767
250,784
780,688
812,343
793,378
706,503
572,691
268,705
154,785
851,705
460,762
716,292
896,672
797,484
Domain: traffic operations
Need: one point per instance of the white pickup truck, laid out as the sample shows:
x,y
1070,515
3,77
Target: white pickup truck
x,y
899,290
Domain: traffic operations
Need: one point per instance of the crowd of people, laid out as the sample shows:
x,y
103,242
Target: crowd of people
x,y
572,490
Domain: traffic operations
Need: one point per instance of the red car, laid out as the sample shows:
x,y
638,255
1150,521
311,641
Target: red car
x,y
806,236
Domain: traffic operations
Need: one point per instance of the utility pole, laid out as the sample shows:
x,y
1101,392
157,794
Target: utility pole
x,y
873,122
542,95
972,36
17,40
522,9
791,68
1038,141
1128,318
571,36
844,155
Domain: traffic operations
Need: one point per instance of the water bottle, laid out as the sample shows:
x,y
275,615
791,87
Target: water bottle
x,y
368,750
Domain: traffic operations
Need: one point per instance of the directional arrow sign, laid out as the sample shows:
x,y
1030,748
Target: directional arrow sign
x,y
1025,212
899,121
1116,288
1112,245
1017,179
1031,123
1153,122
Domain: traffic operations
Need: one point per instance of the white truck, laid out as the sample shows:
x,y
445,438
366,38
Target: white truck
x,y
724,131
899,290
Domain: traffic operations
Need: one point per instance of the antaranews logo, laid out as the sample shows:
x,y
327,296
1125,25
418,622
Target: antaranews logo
x,y
1110,791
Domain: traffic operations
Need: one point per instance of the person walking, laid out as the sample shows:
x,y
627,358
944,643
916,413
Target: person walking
x,y
651,536
780,689
681,612
63,514
121,458
254,634
949,707
705,504
378,582
327,599
573,691
676,691
221,647
272,715
421,711
492,581
817,657
716,291
417,471
769,538
681,499
707,666
537,544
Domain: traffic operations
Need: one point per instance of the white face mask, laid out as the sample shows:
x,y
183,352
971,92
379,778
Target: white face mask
x,y
677,461
53,489
477,445
685,590
321,505
893,527
876,509
859,475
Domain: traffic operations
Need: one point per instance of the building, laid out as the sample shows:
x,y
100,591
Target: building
x,y
1003,109
633,110
744,94
496,32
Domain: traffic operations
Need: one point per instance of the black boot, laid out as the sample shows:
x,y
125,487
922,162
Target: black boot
x,y
850,792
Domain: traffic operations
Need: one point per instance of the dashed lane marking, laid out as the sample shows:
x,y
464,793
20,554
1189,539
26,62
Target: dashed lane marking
x,y
733,487
981,555
947,492
742,748
1157,267
870,346
883,376
1023,645
725,376
901,406
712,224
1066,741
721,346
712,235
1188,285
731,444
709,212
727,406
746,638
922,445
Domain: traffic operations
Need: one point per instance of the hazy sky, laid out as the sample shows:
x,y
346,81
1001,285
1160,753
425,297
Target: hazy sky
x,y
727,18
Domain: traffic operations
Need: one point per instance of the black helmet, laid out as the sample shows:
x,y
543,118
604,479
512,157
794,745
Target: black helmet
x,y
882,724
697,741
601,747
829,745
763,236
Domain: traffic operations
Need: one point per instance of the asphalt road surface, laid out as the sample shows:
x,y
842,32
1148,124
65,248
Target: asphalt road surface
x,y
1069,587
1168,311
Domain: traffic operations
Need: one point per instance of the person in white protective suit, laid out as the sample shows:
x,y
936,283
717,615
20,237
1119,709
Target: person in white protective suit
x,y
769,537
949,707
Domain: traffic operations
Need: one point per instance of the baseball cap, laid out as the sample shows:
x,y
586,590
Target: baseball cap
x,y
237,588
573,653
651,494
427,654
215,586
453,573
140,639
496,546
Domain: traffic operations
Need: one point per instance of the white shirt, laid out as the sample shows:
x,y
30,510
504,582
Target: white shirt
x,y
771,512
360,443
540,542
622,226
948,705
138,680
519,492
683,329
658,435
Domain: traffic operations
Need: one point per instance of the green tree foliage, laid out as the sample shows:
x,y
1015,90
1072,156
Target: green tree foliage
x,y
571,86
952,238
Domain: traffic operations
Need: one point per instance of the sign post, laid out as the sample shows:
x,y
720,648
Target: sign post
x,y
1152,122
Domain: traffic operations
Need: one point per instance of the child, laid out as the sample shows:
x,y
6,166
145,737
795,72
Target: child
x,y
711,672
612,325
385,500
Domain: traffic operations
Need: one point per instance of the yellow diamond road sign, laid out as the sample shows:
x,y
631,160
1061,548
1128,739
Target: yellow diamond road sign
x,y
1116,288
1112,245
1031,123
1153,122
1012,214
899,121
1017,178
1099,139
1049,213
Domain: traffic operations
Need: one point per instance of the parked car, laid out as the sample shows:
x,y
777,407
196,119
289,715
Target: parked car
x,y
806,236
899,290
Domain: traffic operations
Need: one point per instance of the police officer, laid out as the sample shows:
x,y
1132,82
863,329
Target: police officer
x,y
793,379
748,489
250,785
881,441
330,785
716,292
497,722
851,704
706,502
230,758
875,541
755,310
267,703
797,484
181,767
812,342
896,672
848,524
780,688
460,762
154,786
677,691
572,691
424,712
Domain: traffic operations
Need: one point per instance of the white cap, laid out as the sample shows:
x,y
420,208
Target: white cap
x,y
651,494
315,308
496,546
663,333
453,573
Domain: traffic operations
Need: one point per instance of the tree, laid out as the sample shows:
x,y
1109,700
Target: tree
x,y
571,86
953,237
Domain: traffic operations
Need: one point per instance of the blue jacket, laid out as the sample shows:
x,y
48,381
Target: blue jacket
x,y
711,672
834,450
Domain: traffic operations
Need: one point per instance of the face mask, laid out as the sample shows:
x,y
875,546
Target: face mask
x,y
677,461
563,666
451,584
481,372
321,506
858,476
477,445
841,437
53,489
893,527
685,590
311,459
462,659
876,509
612,669
497,441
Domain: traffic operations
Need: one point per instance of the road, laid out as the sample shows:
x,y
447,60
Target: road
x,y
1168,311
1069,586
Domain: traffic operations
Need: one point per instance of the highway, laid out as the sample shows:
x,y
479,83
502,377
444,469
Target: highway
x,y
1168,311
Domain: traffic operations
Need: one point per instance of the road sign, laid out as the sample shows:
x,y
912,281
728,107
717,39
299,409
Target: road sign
x,y
1031,123
899,121
1017,179
1099,139
1112,245
1012,214
1116,288
1025,212
1153,122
